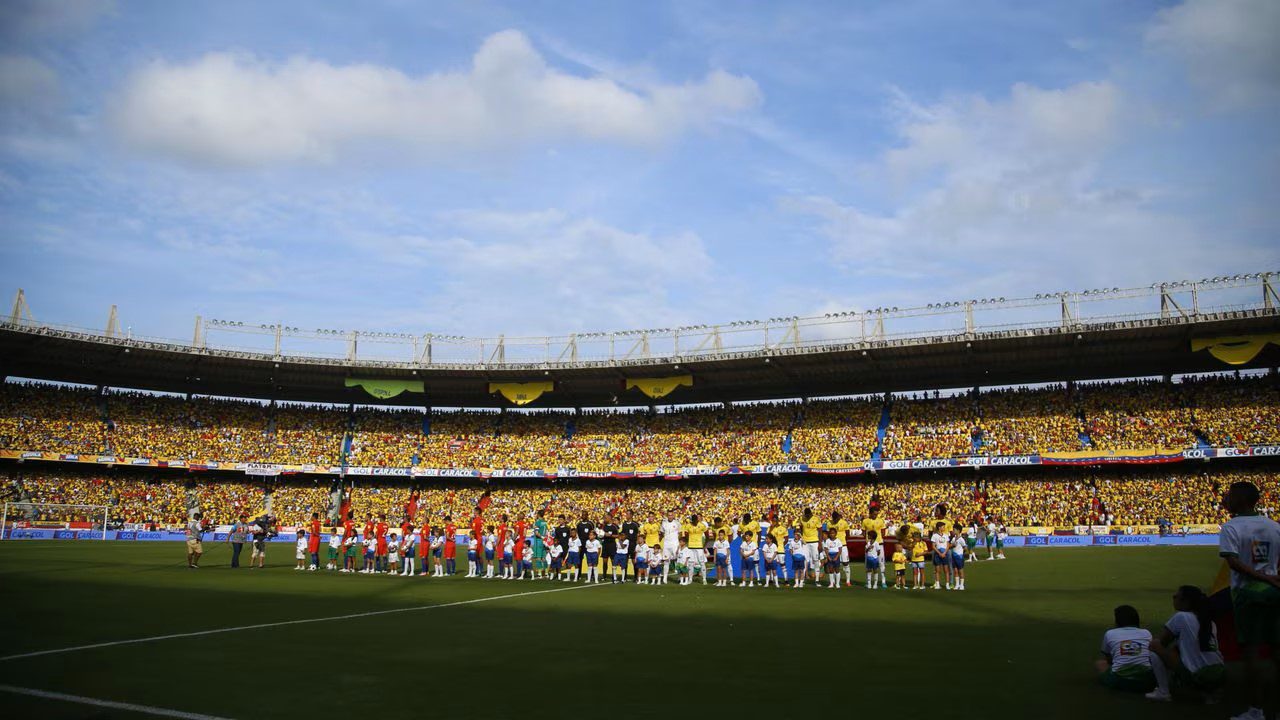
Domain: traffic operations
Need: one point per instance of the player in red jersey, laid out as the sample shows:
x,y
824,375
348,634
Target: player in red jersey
x,y
313,540
519,539
450,546
504,528
380,553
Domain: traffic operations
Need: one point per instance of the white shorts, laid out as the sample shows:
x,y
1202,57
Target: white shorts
x,y
301,555
811,553
670,552
696,557
844,554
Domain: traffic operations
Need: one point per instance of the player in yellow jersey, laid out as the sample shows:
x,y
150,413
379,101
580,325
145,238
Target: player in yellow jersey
x,y
939,516
779,532
809,527
842,526
696,530
652,531
918,550
899,569
873,523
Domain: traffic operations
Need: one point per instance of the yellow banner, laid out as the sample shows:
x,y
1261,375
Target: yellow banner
x,y
384,389
1235,349
660,386
522,393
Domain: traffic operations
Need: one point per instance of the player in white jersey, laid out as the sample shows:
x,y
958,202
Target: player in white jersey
x,y
490,549
770,553
554,551
1197,665
335,548
1250,545
592,549
301,554
799,559
508,558
721,549
437,547
618,568
526,561
642,562
971,540
349,558
958,548
410,548
991,530
393,554
874,561
670,541
750,552
574,556
831,549
473,554
1125,663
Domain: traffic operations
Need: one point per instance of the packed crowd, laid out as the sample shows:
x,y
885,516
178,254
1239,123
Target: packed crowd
x,y
129,499
1219,411
1062,498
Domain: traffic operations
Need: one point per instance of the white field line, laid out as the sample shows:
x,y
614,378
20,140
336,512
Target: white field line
x,y
145,709
260,626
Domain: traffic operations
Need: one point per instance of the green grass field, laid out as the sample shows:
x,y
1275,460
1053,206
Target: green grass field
x,y
1019,643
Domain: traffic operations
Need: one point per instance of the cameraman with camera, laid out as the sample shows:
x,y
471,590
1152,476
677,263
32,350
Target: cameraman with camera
x,y
264,528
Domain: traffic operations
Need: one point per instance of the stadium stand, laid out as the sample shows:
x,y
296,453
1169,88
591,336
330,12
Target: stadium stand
x,y
1062,498
1218,411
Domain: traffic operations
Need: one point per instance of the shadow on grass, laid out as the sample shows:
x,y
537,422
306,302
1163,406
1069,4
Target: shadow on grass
x,y
610,650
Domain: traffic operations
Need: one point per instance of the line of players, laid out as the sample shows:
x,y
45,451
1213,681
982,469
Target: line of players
x,y
510,552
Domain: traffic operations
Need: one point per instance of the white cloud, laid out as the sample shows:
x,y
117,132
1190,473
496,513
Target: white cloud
x,y
550,272
1011,196
238,110
1229,47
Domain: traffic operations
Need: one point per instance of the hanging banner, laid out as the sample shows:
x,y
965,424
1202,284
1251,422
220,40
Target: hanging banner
x,y
660,386
384,389
1235,349
262,469
522,393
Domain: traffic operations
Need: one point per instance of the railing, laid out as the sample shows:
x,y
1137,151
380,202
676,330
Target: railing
x,y
1173,303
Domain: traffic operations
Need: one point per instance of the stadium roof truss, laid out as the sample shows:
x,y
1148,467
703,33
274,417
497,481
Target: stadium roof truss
x,y
1106,333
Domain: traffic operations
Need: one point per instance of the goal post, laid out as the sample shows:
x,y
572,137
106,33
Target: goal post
x,y
50,516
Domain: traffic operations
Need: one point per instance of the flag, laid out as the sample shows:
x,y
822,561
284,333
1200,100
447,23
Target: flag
x,y
485,500
411,507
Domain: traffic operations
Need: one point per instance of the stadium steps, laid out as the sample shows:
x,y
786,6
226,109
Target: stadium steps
x,y
881,429
1202,442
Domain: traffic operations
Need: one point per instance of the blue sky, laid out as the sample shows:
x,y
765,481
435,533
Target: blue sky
x,y
528,168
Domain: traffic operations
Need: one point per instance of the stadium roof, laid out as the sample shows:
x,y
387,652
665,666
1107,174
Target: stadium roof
x,y
1116,342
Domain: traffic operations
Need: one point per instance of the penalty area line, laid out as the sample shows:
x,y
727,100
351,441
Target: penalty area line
x,y
260,626
132,707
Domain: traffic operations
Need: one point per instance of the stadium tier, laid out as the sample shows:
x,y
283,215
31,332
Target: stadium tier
x,y
1134,421
1064,498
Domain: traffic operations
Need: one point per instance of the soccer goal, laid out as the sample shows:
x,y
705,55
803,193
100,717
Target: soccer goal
x,y
20,516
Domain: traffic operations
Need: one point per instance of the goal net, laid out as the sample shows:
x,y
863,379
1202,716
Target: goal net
x,y
33,520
